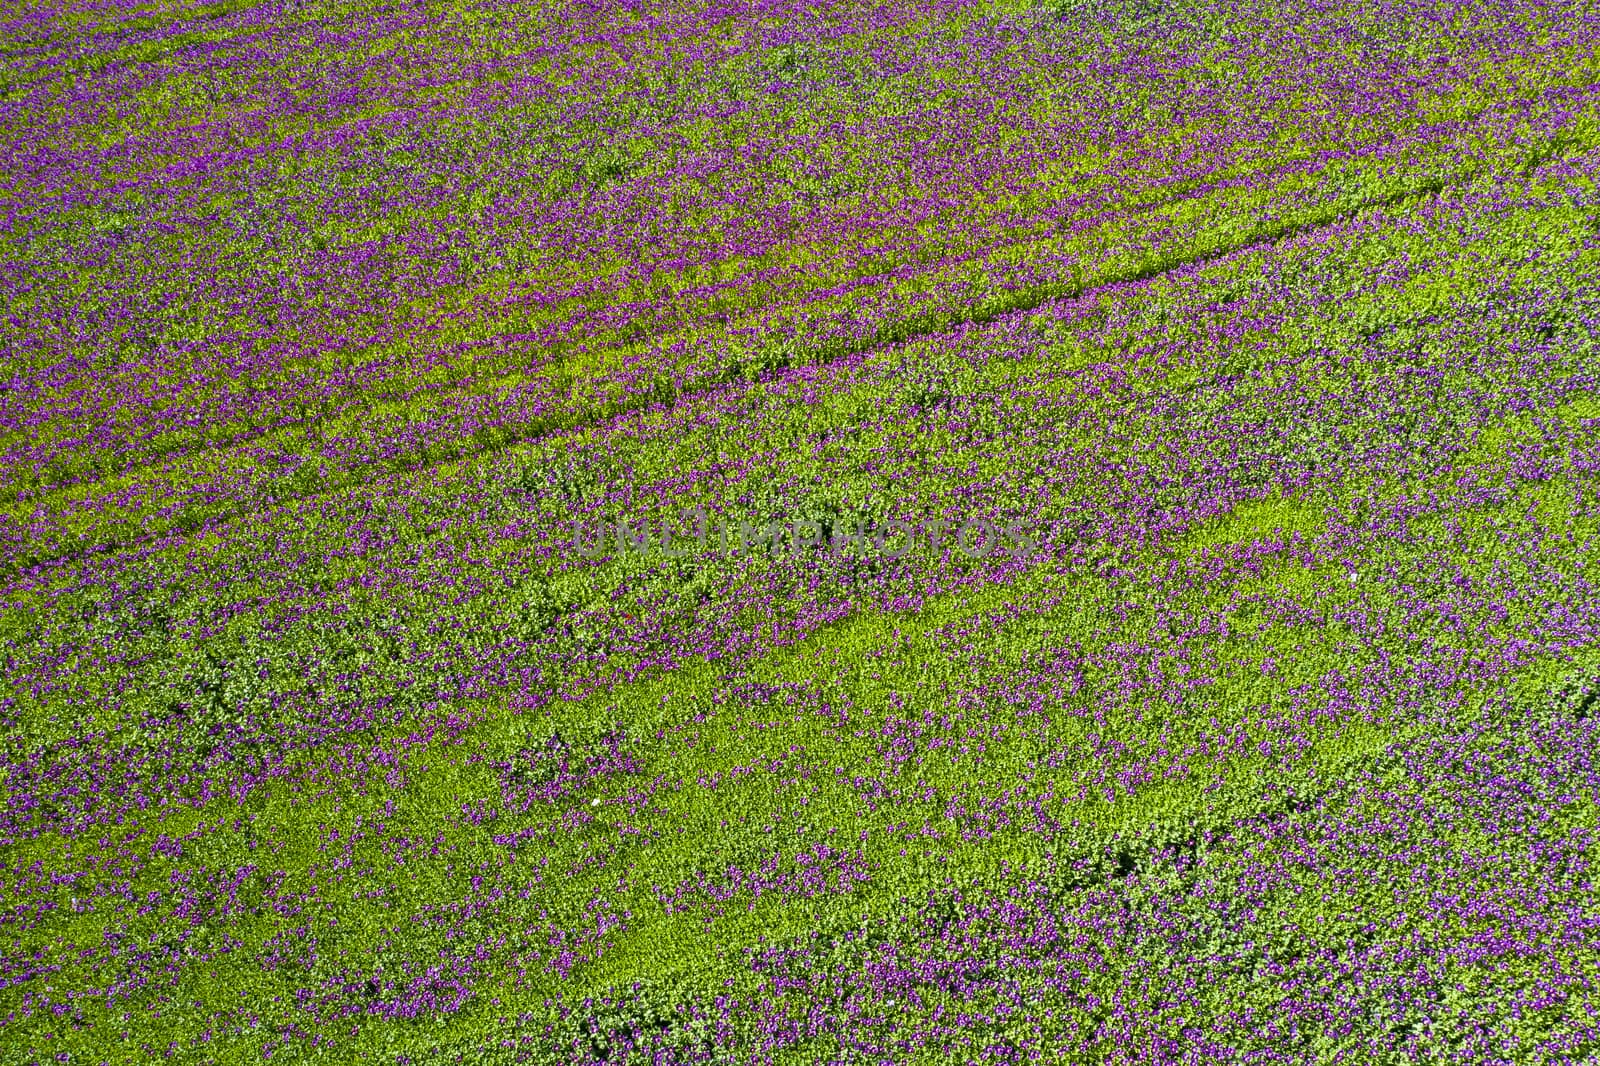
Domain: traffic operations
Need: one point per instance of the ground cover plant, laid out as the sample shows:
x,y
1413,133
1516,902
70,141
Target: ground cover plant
x,y
375,692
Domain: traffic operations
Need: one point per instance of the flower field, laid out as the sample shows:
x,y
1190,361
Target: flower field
x,y
359,357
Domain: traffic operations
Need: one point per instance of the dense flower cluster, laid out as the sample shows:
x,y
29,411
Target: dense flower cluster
x,y
1263,340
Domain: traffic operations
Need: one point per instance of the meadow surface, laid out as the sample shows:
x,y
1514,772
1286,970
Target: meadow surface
x,y
333,331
